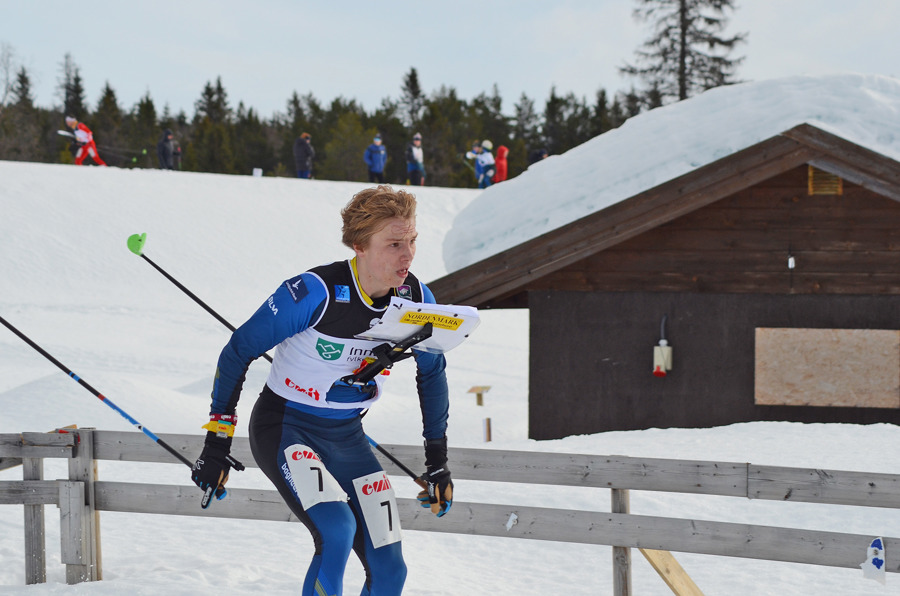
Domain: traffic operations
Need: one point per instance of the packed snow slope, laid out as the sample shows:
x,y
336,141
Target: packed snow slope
x,y
665,143
68,281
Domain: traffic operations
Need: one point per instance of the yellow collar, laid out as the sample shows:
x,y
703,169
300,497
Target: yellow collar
x,y
362,292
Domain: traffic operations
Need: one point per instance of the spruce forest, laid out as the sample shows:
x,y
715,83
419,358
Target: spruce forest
x,y
221,137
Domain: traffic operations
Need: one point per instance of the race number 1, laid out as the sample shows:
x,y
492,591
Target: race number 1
x,y
379,508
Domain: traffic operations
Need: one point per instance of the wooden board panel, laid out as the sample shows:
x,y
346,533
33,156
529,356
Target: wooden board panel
x,y
34,444
817,486
737,282
775,261
668,238
572,469
535,523
29,492
671,571
828,367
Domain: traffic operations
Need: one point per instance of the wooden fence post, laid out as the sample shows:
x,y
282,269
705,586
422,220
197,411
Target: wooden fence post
x,y
35,543
71,531
83,469
621,554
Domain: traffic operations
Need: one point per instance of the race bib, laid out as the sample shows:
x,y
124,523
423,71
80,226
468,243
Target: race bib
x,y
307,476
379,508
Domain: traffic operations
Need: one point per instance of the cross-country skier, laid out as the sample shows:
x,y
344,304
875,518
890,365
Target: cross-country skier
x,y
306,432
85,140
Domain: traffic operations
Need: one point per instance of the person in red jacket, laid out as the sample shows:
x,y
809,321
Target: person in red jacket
x,y
85,139
500,162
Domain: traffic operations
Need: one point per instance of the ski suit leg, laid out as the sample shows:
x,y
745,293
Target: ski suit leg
x,y
89,148
316,464
330,522
92,150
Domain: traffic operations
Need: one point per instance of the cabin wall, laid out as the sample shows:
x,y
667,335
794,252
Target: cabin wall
x,y
591,357
840,244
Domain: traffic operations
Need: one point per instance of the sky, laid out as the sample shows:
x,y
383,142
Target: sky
x,y
362,50
71,285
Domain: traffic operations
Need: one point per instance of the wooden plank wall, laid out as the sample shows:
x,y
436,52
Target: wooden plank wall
x,y
591,358
847,244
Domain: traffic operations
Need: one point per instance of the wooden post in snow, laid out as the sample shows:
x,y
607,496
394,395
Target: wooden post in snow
x,y
621,554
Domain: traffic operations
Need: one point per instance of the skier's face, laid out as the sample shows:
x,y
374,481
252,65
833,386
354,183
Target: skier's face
x,y
384,262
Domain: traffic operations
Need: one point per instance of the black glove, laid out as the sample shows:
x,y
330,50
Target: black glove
x,y
438,493
210,471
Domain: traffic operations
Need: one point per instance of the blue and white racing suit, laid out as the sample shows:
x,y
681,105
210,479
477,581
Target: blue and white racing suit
x,y
306,432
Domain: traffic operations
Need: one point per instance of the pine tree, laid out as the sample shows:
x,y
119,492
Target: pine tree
x,y
213,103
686,54
20,123
344,151
600,120
486,117
445,141
567,122
412,100
617,116
210,149
526,136
145,121
7,67
108,114
21,91
653,98
526,122
632,103
252,146
107,123
71,89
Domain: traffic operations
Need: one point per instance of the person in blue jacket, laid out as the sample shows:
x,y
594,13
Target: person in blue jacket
x,y
306,430
415,161
375,157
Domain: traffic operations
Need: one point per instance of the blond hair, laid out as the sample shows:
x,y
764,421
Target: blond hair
x,y
370,209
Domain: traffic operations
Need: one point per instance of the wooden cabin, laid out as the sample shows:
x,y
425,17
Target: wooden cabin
x,y
773,273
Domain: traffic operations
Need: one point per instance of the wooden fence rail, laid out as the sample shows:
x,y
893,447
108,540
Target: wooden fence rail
x,y
80,497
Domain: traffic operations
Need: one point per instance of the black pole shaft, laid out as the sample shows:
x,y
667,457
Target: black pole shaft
x,y
397,462
96,393
195,298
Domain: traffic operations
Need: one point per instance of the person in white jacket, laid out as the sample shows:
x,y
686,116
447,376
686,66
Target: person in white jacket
x,y
484,162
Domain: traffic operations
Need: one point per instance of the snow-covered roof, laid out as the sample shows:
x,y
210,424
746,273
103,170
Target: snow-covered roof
x,y
665,143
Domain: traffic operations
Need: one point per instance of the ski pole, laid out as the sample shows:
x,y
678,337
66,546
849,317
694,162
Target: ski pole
x,y
96,393
397,463
136,244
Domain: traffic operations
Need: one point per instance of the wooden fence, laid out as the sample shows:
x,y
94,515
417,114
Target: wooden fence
x,y
81,497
